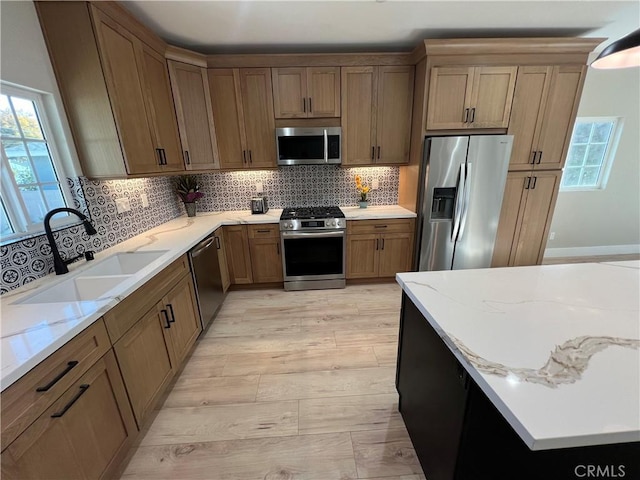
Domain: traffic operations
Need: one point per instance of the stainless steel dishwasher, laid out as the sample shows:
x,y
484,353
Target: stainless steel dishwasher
x,y
205,267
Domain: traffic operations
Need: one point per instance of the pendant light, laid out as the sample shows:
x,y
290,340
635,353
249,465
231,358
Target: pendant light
x,y
623,53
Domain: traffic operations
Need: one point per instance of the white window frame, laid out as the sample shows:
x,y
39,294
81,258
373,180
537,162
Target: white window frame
x,y
13,202
607,158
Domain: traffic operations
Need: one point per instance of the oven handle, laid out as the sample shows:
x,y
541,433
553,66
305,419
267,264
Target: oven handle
x,y
294,235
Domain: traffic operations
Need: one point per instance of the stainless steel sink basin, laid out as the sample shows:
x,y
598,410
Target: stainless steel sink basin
x,y
126,263
76,289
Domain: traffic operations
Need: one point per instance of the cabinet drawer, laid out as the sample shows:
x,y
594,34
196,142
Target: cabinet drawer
x,y
25,400
393,225
124,315
269,230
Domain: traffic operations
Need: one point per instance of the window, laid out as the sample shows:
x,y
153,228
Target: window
x,y
32,179
591,153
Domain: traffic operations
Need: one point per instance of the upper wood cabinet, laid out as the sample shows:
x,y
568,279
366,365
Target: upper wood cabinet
x,y
195,116
242,104
306,92
116,91
544,110
376,114
470,97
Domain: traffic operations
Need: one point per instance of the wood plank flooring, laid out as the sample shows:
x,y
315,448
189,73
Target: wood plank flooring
x,y
287,385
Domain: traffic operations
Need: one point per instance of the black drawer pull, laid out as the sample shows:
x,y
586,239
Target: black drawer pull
x,y
263,231
173,315
381,226
70,365
166,317
83,388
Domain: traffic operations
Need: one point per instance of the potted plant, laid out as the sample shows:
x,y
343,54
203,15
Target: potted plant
x,y
188,190
363,190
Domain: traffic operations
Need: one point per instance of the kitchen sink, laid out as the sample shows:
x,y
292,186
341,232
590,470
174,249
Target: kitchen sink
x,y
76,289
126,263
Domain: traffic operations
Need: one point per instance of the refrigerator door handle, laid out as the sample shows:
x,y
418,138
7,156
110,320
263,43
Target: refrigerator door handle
x,y
467,197
457,212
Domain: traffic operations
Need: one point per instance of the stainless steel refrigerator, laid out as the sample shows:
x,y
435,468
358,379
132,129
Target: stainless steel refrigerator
x,y
462,190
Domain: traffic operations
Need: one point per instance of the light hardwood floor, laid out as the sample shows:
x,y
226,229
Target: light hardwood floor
x,y
287,385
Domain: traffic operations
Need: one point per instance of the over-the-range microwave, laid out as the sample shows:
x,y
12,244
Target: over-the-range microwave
x,y
308,146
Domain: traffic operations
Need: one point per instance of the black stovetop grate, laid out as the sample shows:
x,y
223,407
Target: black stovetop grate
x,y
311,212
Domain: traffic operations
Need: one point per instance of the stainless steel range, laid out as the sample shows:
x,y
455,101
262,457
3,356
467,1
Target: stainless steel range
x,y
314,248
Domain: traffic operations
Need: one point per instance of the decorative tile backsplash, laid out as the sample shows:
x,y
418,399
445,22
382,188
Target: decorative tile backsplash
x,y
307,185
298,186
24,261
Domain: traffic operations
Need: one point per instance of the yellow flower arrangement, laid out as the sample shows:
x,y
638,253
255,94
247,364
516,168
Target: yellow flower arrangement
x,y
362,189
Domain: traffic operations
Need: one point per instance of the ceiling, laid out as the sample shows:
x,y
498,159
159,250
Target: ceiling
x,y
267,26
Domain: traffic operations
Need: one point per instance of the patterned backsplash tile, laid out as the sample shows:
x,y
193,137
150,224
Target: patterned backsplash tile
x,y
308,185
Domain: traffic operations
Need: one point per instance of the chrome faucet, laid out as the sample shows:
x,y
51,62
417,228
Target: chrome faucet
x,y
59,264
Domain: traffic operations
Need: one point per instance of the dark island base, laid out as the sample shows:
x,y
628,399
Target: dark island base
x,y
459,435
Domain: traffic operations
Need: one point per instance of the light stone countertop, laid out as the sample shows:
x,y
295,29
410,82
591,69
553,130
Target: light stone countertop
x,y
29,333
556,348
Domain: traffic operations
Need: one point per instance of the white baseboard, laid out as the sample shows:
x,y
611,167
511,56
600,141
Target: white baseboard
x,y
592,251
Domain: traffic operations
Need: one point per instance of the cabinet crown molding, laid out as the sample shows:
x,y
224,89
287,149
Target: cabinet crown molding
x,y
183,55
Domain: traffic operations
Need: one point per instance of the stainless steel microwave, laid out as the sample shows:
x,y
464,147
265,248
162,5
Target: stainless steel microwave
x,y
308,146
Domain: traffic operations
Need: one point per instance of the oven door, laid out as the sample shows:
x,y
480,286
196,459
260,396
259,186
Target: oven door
x,y
313,255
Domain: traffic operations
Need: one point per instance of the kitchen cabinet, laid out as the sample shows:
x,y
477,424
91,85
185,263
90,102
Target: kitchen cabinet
x,y
544,109
242,104
195,117
184,318
306,92
379,248
238,256
85,433
222,259
115,88
266,255
527,209
464,97
376,114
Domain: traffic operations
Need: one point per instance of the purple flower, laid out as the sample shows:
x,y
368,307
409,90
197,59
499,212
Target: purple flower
x,y
191,196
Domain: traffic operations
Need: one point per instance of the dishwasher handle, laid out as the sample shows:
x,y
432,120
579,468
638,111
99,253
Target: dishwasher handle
x,y
202,246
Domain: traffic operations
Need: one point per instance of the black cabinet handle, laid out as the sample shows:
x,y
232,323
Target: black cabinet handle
x,y
535,179
187,159
83,388
310,107
70,366
380,226
164,156
373,152
533,157
304,105
173,315
244,156
377,243
166,317
539,157
250,157
466,115
278,248
473,115
526,187
382,244
218,243
159,152
378,152
264,231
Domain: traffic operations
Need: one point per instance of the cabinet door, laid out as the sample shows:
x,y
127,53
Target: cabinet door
x,y
162,115
289,92
226,103
323,90
144,355
394,105
118,56
559,116
362,256
222,259
238,259
515,196
541,197
259,123
266,260
492,96
359,85
180,304
195,118
395,253
527,112
449,98
84,433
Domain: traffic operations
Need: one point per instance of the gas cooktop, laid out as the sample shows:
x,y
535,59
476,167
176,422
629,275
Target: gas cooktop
x,y
306,213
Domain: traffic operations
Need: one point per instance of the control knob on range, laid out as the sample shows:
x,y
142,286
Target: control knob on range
x,y
290,225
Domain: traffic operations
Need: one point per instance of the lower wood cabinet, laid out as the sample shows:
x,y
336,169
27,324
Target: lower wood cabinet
x,y
84,434
266,256
180,305
238,256
527,208
371,254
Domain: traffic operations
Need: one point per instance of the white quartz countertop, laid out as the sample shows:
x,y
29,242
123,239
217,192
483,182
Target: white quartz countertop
x,y
555,348
29,333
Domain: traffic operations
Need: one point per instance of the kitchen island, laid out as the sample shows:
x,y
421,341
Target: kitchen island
x,y
527,373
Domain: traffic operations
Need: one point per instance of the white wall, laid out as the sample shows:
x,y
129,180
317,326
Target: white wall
x,y
24,61
607,218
